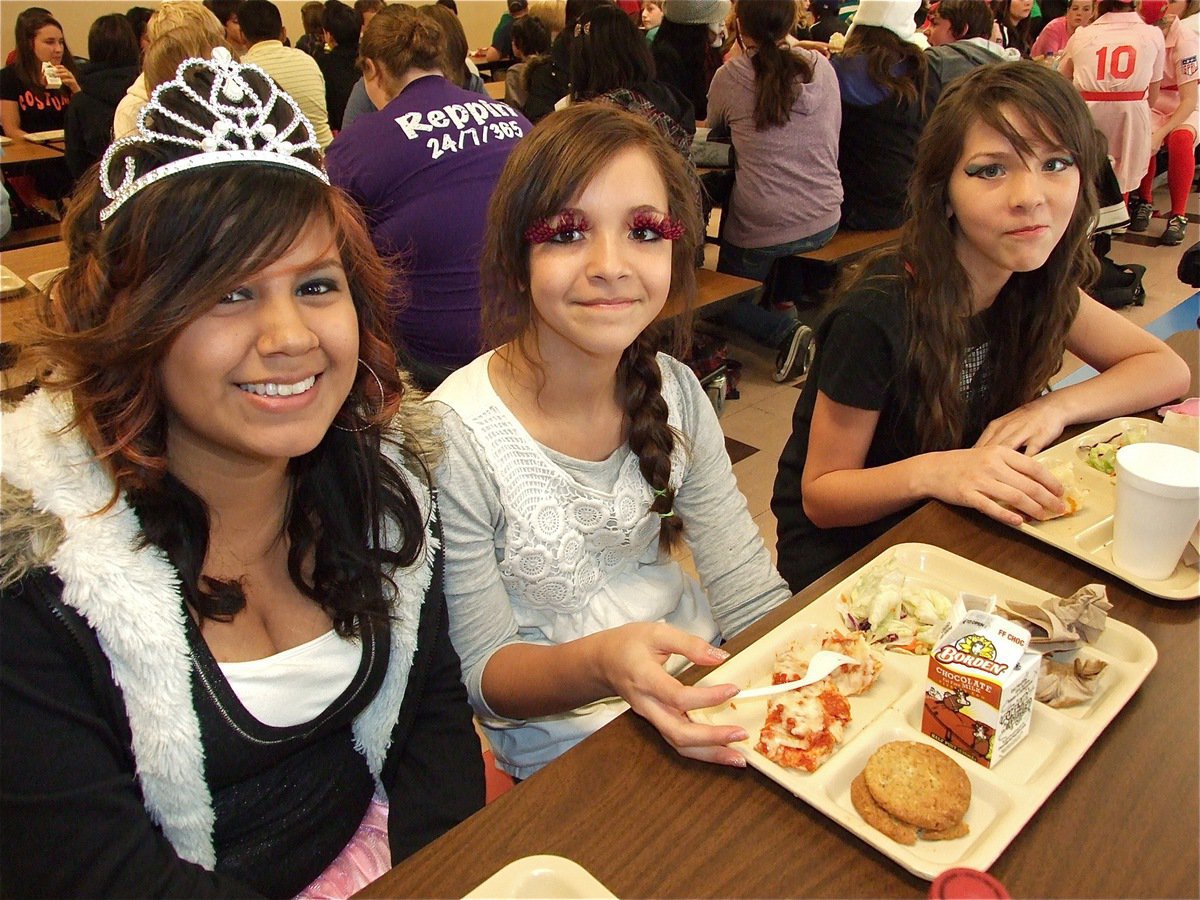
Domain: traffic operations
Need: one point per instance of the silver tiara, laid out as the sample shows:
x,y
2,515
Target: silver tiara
x,y
240,130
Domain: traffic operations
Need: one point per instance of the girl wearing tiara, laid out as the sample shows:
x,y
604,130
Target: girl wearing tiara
x,y
226,663
929,374
578,459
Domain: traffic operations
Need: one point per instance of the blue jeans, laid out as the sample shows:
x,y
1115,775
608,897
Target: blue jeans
x,y
767,326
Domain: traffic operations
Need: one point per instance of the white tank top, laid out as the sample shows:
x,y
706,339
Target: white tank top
x,y
297,685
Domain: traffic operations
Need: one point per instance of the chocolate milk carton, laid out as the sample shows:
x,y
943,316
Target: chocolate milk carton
x,y
981,683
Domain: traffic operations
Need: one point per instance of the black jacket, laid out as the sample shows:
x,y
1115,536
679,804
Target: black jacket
x,y
90,116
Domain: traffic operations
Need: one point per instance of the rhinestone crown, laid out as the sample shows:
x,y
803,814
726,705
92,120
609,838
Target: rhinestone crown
x,y
240,130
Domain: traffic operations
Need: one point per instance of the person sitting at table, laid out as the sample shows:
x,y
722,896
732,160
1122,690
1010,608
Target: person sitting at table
x,y
530,40
782,108
114,63
1053,37
1016,22
1117,64
1173,117
458,67
611,62
424,173
687,47
29,103
139,18
881,75
227,670
578,457
339,65
959,35
930,374
312,41
501,46
549,80
293,70
177,14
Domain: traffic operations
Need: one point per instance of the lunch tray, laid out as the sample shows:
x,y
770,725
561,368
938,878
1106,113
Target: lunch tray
x,y
1088,533
1003,798
542,876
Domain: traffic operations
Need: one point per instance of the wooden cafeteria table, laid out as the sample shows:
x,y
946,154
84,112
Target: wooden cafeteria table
x,y
648,823
25,262
20,152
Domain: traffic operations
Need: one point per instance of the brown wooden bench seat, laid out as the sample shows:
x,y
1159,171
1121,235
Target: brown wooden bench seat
x,y
847,246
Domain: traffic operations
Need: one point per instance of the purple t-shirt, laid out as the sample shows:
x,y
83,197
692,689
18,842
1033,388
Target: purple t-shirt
x,y
423,168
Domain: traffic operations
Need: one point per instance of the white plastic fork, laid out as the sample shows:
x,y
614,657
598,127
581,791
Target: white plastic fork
x,y
822,663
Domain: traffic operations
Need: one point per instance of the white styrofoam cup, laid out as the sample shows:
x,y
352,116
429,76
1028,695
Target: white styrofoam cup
x,y
1157,507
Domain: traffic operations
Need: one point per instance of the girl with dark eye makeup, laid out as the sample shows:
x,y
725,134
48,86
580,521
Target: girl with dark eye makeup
x,y
578,458
930,376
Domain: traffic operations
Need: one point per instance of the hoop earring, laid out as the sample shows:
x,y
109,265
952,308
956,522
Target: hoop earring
x,y
379,383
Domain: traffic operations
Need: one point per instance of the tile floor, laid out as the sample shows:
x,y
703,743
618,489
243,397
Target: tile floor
x,y
758,424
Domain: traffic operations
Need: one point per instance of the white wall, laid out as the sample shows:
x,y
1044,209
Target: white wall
x,y
479,18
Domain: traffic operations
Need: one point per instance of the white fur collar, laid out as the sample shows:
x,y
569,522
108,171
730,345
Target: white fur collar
x,y
130,597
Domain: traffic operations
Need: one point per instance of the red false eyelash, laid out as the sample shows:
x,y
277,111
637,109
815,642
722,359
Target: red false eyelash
x,y
670,229
545,230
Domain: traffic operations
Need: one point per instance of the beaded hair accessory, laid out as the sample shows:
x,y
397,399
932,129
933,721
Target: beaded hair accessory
x,y
226,111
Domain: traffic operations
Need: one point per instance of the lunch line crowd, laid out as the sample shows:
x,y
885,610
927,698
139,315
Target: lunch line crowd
x,y
244,636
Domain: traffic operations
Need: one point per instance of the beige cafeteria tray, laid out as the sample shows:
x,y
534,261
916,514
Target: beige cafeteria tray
x,y
42,137
1003,798
535,877
1088,533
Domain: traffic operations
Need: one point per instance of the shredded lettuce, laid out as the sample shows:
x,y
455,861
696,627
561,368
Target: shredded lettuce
x,y
894,611
1102,455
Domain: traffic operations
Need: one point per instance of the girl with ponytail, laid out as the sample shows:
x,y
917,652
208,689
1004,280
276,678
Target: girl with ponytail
x,y
578,458
782,108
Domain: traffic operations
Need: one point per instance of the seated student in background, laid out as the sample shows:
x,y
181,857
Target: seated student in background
x,y
501,46
293,70
312,41
1016,22
550,80
826,21
226,662
687,47
881,75
782,108
651,18
959,34
1117,63
423,172
578,457
114,63
611,62
190,14
457,68
226,12
930,372
339,66
1173,118
32,101
1053,38
530,40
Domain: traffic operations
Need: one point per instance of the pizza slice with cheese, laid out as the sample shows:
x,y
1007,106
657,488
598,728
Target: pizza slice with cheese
x,y
804,726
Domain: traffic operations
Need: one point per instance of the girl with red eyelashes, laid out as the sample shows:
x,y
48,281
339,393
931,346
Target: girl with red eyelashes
x,y
577,457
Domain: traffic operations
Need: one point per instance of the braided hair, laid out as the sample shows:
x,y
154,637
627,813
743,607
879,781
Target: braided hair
x,y
545,171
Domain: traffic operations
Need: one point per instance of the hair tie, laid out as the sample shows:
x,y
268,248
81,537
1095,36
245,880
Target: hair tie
x,y
667,515
660,492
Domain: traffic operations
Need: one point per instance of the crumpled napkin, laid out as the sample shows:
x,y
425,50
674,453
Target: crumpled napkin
x,y
1061,623
1068,684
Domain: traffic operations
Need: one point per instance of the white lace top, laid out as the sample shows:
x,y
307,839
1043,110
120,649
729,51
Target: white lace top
x,y
544,548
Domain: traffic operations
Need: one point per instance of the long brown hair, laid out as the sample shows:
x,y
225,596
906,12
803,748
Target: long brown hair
x,y
162,261
896,65
397,40
778,71
28,69
546,170
454,42
1033,312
